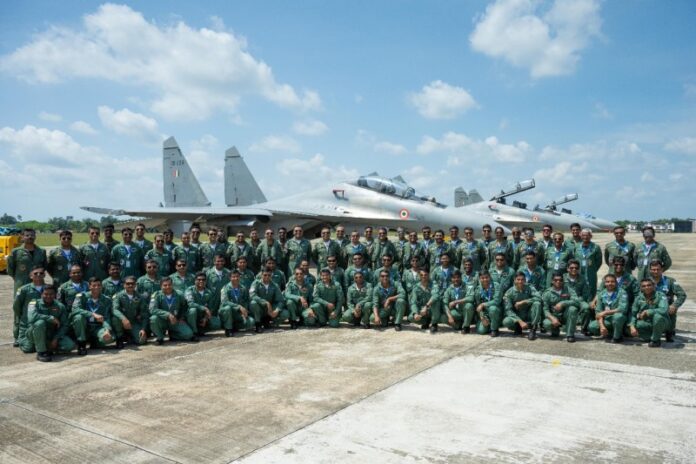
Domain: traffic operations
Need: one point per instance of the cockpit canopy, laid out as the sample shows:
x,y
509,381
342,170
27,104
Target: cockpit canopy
x,y
396,186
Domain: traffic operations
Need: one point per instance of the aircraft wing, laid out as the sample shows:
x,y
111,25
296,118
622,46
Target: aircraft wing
x,y
182,212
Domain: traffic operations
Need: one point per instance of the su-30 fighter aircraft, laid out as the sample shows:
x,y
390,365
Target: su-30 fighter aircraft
x,y
369,200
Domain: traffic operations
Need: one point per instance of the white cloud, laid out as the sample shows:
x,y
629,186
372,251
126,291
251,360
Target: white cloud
x,y
548,43
191,72
390,148
419,177
50,117
129,123
310,127
83,127
686,145
300,174
281,143
601,111
462,147
562,173
51,147
439,100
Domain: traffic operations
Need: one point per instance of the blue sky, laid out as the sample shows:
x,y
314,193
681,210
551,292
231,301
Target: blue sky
x,y
585,96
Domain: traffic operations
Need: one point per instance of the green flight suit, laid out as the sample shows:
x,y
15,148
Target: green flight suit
x,y
272,250
255,261
232,299
530,312
163,259
111,245
657,320
535,277
629,284
180,283
246,278
461,313
349,250
400,245
130,257
524,248
261,294
42,331
442,277
298,251
409,279
557,261
161,306
382,249
191,255
504,247
292,295
322,250
474,250
362,299
470,280
423,301
454,247
111,287
492,300
69,290
581,288
435,251
59,263
504,278
350,273
322,296
393,272
568,314
643,255
208,252
410,250
215,281
86,328
146,287
615,323
134,308
145,245
369,249
338,276
197,302
675,297
21,262
590,261
627,250
395,310
237,250
95,261
23,296
277,277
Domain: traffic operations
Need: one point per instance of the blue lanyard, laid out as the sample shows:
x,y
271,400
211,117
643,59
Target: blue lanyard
x,y
385,291
648,248
623,248
487,294
609,299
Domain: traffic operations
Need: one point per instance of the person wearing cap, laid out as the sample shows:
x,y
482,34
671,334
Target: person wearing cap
x,y
561,308
47,327
529,244
487,302
61,258
424,302
620,247
673,291
522,307
589,254
327,302
648,251
388,302
358,302
611,310
203,314
650,314
472,249
130,318
235,306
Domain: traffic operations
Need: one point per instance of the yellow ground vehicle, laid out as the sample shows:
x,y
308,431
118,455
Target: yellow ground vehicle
x,y
7,244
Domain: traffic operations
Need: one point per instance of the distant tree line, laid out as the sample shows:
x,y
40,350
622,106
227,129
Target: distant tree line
x,y
626,222
55,224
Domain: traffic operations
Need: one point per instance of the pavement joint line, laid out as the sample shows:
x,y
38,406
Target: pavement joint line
x,y
363,398
580,366
75,425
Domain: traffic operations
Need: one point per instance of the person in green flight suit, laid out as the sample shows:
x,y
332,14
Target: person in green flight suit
x,y
650,314
68,290
327,301
455,312
560,308
203,303
109,239
424,302
648,251
144,244
557,256
112,284
298,297
267,302
23,259
383,247
61,258
47,327
486,299
589,254
299,249
168,313
522,307
358,302
388,302
182,278
130,318
611,311
23,296
235,306
620,247
162,256
473,249
189,253
324,248
91,318
128,255
675,296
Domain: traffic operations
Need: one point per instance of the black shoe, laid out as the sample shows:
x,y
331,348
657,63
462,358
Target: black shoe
x,y
495,333
669,336
654,344
258,329
615,340
532,334
16,344
201,334
466,330
366,326
44,356
397,327
160,341
119,343
356,323
195,339
518,329
267,324
542,329
571,339
82,349
424,326
555,335
228,332
433,328
293,325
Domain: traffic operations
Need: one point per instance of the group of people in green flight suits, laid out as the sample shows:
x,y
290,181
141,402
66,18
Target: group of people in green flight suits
x,y
111,292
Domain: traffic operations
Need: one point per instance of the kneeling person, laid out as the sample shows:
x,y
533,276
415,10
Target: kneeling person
x,y
424,303
298,297
611,311
129,318
522,307
561,306
235,306
267,302
486,300
650,314
327,301
91,318
388,301
358,302
457,314
169,312
48,325
202,315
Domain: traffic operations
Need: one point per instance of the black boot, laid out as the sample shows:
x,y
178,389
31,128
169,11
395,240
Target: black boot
x,y
160,341
259,328
669,336
82,348
228,332
433,328
495,333
571,339
397,327
119,343
654,344
466,330
44,356
532,333
518,329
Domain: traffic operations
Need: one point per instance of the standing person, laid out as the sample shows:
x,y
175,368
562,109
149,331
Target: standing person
x,y
472,249
522,307
325,248
673,291
23,296
283,242
169,244
148,284
516,241
140,240
168,313
341,237
130,318
487,234
528,245
650,314
254,242
208,251
235,306
270,248
354,246
560,308
369,243
383,247
500,245
547,236
648,251
620,247
487,301
216,278
299,249
557,257
91,318
400,245
188,253
413,249
161,256
112,284
426,232
195,231
95,256
24,258
611,311
128,255
575,238
109,239
47,327
589,255
578,284
438,248
61,259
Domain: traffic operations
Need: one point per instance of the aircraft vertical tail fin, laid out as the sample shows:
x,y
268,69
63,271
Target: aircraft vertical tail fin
x,y
474,197
461,198
181,188
241,188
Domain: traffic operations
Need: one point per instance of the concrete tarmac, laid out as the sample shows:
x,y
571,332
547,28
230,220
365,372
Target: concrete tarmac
x,y
354,395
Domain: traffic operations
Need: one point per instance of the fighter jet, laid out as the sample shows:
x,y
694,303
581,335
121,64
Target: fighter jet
x,y
602,224
369,200
517,214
